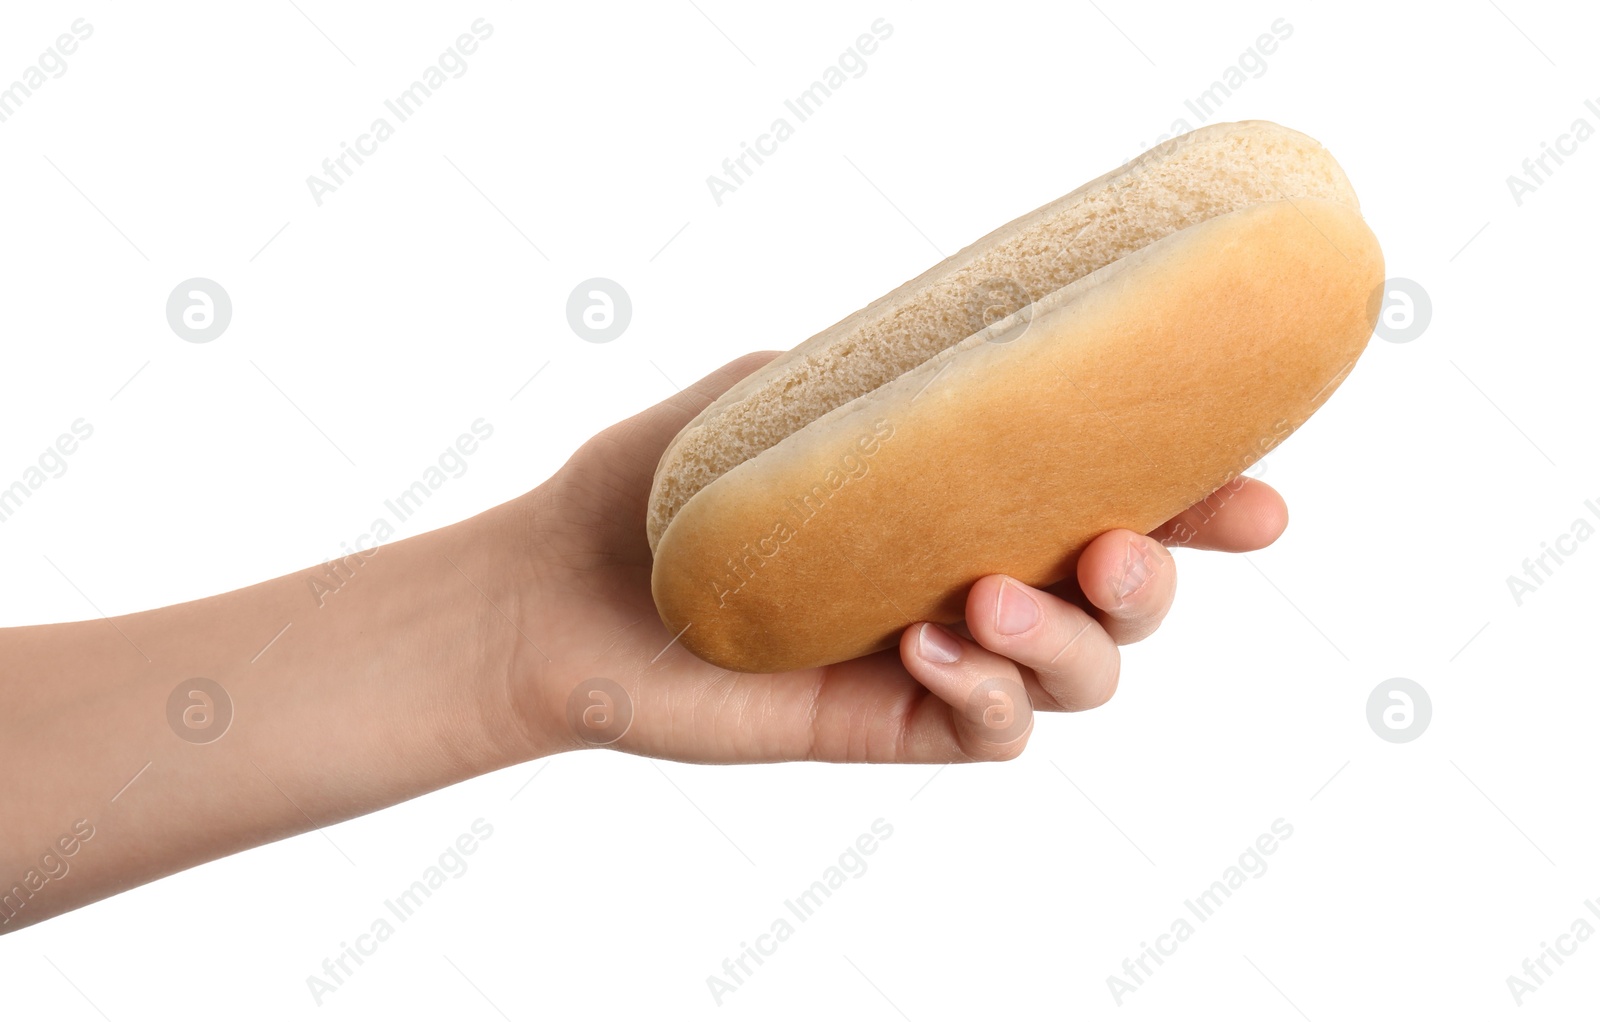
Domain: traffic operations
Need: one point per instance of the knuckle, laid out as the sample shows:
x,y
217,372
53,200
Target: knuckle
x,y
1088,687
1113,676
1050,700
1011,750
1058,685
1059,667
997,712
981,750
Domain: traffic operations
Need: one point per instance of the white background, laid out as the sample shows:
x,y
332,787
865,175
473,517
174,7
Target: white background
x,y
413,301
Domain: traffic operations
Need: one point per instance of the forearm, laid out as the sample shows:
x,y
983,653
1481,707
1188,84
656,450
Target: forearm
x,y
351,689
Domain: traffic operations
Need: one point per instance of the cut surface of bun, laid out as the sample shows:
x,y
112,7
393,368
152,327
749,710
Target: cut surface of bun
x,y
1208,173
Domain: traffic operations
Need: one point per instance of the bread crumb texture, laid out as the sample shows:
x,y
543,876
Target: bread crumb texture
x,y
1184,182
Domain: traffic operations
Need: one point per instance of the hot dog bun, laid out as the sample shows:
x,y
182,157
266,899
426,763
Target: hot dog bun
x,y
1104,361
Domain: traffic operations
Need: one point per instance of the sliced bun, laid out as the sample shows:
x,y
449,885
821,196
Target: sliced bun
x,y
1104,361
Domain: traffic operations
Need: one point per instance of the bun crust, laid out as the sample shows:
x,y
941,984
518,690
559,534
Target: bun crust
x,y
1116,400
1188,180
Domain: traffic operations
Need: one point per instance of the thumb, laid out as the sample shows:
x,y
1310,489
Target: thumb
x,y
617,466
652,429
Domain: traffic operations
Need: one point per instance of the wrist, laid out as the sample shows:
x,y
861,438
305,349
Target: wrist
x,y
512,631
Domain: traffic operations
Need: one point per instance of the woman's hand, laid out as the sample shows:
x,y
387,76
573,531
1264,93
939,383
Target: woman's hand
x,y
940,697
169,737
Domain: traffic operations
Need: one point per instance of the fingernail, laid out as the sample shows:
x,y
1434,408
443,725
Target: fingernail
x,y
1014,610
938,645
1137,567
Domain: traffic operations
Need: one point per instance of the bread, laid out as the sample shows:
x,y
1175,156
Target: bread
x,y
1104,361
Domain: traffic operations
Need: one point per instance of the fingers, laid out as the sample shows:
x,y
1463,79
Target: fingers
x,y
1246,514
990,715
1055,654
1130,579
1072,658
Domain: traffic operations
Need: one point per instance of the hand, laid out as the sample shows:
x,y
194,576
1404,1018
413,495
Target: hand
x,y
940,697
401,680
